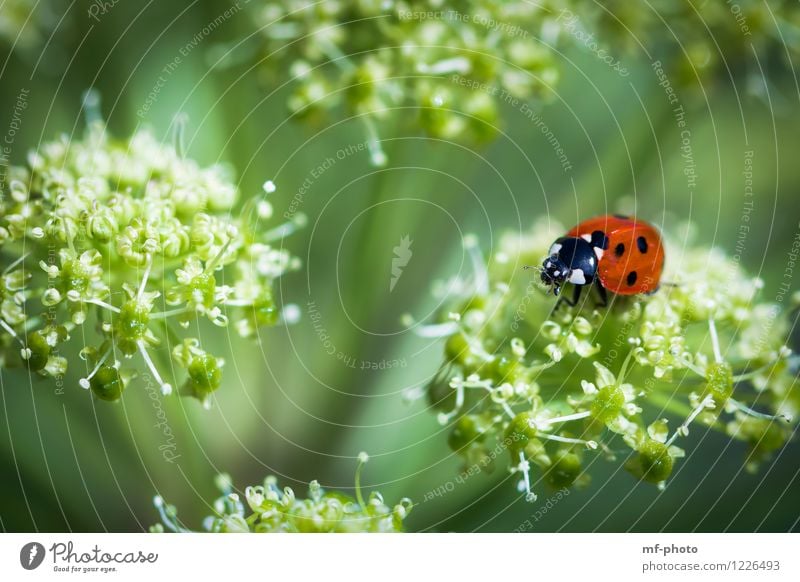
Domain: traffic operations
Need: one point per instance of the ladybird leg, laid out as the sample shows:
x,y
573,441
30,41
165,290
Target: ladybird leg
x,y
657,287
576,295
561,300
601,292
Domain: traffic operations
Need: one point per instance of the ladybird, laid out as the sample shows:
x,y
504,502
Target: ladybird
x,y
616,253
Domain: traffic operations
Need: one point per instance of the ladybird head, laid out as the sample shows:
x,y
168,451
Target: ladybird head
x,y
555,272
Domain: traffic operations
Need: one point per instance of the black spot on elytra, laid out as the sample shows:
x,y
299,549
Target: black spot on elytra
x,y
619,250
631,280
600,240
641,243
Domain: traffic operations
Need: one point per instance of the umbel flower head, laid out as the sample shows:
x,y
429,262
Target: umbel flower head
x,y
453,64
124,248
378,57
269,509
558,388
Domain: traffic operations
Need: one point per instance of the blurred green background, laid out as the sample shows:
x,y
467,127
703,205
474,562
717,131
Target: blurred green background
x,y
291,408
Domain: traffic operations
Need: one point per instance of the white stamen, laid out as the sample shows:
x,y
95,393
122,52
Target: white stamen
x,y
10,268
298,221
103,304
86,382
166,389
444,418
146,276
683,429
545,422
13,334
754,413
525,468
712,330
554,437
377,156
158,501
478,265
446,66
434,330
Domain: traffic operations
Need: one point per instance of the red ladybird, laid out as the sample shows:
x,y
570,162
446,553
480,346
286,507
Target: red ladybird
x,y
617,253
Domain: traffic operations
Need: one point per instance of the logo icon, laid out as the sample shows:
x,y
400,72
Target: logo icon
x,y
402,254
31,555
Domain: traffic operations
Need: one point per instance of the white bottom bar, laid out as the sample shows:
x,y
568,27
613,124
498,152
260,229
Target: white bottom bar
x,y
407,557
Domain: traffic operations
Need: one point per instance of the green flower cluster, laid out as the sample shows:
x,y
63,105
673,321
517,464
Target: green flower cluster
x,y
705,41
561,387
378,56
125,247
272,509
452,64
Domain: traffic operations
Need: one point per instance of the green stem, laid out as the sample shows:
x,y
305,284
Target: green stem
x,y
362,460
670,404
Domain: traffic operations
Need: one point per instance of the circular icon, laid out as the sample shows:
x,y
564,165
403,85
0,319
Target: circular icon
x,y
31,555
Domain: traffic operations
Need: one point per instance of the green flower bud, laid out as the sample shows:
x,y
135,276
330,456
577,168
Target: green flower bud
x,y
565,470
503,369
719,382
483,115
436,114
456,347
364,83
205,375
652,463
75,275
607,404
37,351
107,384
265,312
519,432
468,430
440,395
203,288
132,323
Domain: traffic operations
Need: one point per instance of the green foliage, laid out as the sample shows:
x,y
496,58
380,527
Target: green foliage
x,y
127,247
561,385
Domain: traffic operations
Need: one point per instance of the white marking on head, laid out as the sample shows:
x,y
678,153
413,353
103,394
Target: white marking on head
x,y
587,237
577,277
599,252
555,248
